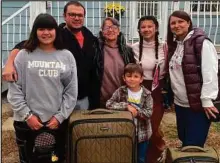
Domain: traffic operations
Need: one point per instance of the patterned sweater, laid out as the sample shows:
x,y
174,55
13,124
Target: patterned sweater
x,y
119,101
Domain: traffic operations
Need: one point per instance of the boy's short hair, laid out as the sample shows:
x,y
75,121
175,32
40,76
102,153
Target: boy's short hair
x,y
132,68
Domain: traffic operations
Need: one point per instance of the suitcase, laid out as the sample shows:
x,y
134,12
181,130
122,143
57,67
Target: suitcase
x,y
101,136
192,154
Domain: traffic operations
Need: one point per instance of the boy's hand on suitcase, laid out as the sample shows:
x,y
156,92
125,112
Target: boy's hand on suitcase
x,y
53,123
133,110
34,123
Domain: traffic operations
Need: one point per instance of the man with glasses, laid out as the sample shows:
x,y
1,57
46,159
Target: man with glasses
x,y
83,45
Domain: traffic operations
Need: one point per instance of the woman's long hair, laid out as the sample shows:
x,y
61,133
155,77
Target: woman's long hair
x,y
152,18
43,21
170,36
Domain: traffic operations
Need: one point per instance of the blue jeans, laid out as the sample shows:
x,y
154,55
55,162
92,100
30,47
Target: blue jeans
x,y
192,127
142,151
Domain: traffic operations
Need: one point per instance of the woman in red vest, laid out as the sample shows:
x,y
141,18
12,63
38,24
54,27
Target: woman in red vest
x,y
193,68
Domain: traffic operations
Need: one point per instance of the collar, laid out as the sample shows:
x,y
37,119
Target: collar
x,y
188,36
145,92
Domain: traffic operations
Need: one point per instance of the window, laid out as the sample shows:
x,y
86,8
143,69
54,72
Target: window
x,y
147,8
143,8
205,6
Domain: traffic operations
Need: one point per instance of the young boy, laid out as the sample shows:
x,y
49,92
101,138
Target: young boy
x,y
136,99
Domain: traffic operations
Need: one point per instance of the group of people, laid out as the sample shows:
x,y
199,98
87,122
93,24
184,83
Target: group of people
x,y
65,67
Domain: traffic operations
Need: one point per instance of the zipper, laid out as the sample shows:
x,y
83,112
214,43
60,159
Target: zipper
x,y
194,159
77,122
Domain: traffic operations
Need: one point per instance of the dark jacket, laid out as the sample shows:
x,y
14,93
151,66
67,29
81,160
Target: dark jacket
x,y
126,52
85,61
19,45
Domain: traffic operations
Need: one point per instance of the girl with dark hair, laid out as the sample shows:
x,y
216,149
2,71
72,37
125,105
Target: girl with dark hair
x,y
46,90
115,54
41,23
151,54
193,68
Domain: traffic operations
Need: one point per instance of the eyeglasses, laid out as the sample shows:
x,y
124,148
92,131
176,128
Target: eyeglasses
x,y
74,15
113,27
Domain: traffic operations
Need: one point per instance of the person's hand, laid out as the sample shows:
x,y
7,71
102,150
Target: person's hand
x,y
210,111
133,110
53,123
34,123
9,73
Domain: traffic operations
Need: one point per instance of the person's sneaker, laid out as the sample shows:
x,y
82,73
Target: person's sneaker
x,y
161,159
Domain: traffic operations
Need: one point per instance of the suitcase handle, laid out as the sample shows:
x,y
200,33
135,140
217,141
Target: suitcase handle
x,y
192,149
101,111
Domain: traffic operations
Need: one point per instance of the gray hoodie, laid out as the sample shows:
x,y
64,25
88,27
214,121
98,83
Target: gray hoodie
x,y
46,86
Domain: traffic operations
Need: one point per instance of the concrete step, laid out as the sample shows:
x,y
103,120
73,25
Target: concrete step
x,y
8,125
6,112
7,117
6,108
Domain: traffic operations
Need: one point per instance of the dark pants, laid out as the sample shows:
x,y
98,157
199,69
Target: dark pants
x,y
156,142
192,127
25,141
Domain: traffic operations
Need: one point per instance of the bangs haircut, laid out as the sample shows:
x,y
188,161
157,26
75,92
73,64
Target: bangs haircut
x,y
133,68
43,21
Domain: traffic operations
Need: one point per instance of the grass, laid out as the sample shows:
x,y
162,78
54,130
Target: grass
x,y
168,126
216,127
170,133
9,147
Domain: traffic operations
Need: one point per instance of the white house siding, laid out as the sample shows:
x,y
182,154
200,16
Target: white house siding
x,y
95,16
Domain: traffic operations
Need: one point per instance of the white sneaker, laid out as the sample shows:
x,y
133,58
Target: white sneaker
x,y
161,159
